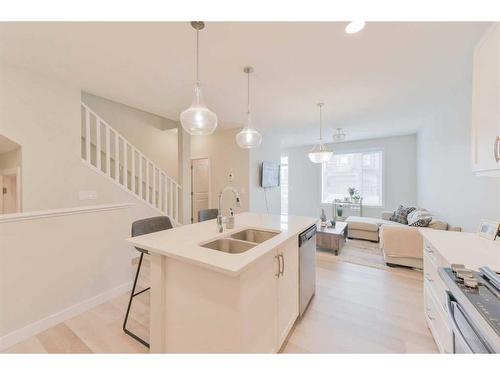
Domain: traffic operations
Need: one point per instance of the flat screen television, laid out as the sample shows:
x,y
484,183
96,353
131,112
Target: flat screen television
x,y
270,174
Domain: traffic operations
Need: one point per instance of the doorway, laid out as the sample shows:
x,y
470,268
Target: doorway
x,y
10,176
200,186
9,202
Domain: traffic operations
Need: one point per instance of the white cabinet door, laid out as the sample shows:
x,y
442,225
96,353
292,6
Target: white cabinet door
x,y
486,103
288,288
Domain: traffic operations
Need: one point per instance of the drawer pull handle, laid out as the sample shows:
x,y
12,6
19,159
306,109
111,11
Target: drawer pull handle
x,y
428,278
279,265
497,151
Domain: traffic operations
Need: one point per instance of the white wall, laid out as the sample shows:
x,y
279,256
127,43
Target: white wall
x,y
225,157
154,136
399,175
269,150
446,184
51,269
43,116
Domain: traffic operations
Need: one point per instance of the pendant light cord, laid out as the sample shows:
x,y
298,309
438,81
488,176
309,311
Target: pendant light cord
x,y
197,57
248,93
320,121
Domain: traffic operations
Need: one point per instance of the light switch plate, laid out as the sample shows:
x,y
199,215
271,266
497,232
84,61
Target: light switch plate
x,y
84,195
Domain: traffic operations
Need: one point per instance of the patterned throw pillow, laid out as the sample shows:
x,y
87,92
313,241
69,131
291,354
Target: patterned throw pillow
x,y
419,218
424,222
401,214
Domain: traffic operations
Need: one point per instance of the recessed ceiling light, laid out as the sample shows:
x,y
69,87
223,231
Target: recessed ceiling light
x,y
354,27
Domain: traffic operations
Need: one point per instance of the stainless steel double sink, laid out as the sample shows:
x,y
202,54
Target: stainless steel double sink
x,y
241,241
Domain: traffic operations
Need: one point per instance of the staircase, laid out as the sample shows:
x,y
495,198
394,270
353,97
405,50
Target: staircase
x,y
107,152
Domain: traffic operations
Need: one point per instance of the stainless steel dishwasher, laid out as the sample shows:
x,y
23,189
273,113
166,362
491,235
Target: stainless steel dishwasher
x,y
307,267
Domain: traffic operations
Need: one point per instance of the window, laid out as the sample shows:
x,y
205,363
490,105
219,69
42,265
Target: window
x,y
362,171
284,184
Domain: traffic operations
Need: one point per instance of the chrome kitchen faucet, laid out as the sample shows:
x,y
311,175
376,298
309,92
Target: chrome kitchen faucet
x,y
220,227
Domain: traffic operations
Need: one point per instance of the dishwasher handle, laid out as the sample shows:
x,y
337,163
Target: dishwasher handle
x,y
307,234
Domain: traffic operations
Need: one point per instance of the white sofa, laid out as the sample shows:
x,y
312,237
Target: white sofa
x,y
400,244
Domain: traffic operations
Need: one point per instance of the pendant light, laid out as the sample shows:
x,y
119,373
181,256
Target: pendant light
x,y
198,119
248,137
320,153
339,135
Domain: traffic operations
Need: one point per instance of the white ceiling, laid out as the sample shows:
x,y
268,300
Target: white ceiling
x,y
370,82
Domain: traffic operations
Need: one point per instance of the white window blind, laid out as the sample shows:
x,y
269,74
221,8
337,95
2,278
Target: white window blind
x,y
362,170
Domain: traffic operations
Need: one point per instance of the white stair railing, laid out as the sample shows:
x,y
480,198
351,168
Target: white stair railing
x,y
106,151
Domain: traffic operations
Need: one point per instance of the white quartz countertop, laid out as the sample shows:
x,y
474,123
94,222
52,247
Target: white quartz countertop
x,y
183,242
465,248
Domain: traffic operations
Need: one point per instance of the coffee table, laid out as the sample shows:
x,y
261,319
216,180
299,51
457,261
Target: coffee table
x,y
332,238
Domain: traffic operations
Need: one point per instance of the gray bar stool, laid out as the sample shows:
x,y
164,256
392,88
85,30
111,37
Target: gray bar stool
x,y
207,214
140,227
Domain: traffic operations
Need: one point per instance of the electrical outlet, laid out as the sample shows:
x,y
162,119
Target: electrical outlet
x,y
85,195
231,177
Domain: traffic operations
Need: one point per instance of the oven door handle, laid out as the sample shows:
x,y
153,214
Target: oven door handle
x,y
456,330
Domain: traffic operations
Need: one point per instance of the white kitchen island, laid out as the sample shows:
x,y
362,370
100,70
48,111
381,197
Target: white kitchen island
x,y
206,301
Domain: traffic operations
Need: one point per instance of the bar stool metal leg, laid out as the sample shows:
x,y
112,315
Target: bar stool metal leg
x,y
132,295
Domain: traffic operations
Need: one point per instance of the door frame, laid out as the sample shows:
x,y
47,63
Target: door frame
x,y
16,171
209,182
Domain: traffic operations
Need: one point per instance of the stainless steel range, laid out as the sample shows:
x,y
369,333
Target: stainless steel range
x,y
473,304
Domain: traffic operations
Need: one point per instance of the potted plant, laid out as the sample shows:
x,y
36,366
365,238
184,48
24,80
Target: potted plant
x,y
356,198
352,191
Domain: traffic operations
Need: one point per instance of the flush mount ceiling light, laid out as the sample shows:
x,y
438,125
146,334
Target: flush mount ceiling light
x,y
248,137
320,153
339,135
354,27
198,119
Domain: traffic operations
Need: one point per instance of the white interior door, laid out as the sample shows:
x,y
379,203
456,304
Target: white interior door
x,y
200,182
9,194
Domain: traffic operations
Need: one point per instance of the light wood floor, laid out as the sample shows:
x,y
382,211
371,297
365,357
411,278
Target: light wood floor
x,y
357,309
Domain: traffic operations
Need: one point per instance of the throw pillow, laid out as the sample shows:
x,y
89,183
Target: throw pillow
x,y
423,222
415,215
419,218
401,214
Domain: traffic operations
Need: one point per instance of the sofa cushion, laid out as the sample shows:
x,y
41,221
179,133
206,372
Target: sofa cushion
x,y
438,224
363,223
419,218
401,214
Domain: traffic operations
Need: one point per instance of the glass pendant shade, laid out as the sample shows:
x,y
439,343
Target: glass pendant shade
x,y
339,135
198,119
319,153
248,137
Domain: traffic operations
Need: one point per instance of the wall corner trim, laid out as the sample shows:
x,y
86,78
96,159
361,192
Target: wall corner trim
x,y
23,216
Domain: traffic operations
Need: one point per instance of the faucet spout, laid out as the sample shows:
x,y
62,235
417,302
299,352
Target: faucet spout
x,y
220,227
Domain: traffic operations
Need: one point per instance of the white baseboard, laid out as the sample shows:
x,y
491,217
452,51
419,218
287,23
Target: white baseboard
x,y
33,329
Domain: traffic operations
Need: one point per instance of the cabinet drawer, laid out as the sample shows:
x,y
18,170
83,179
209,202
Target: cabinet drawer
x,y
431,277
437,321
430,253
